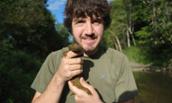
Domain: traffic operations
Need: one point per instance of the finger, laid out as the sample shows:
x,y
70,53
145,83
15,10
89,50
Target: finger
x,y
76,67
75,61
76,72
86,85
75,90
71,54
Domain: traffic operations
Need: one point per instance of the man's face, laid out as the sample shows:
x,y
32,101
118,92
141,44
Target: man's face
x,y
88,32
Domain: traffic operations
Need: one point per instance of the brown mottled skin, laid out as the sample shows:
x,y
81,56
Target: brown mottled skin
x,y
76,80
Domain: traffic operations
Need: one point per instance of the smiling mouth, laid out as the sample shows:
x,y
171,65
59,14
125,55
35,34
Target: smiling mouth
x,y
89,41
89,37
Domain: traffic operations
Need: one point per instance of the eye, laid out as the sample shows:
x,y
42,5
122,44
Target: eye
x,y
97,21
79,21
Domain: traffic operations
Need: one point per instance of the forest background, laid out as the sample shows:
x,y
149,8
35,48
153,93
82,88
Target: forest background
x,y
28,33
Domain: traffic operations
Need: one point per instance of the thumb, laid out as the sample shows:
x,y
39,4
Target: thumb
x,y
74,89
86,85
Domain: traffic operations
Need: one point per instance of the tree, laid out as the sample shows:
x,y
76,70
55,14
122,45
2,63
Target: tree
x,y
29,26
115,30
145,23
27,35
152,23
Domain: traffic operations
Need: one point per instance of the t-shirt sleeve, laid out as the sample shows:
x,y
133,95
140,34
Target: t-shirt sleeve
x,y
125,87
45,73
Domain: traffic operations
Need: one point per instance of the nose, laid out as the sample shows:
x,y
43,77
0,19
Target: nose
x,y
89,28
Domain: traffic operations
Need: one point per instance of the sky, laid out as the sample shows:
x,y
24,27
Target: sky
x,y
56,8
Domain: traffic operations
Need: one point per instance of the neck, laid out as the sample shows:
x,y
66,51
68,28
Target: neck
x,y
90,53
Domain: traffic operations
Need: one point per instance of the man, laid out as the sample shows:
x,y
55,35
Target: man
x,y
106,72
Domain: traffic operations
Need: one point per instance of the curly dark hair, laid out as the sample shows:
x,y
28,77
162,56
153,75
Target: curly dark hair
x,y
83,8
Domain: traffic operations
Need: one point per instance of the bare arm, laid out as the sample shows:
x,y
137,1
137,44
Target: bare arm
x,y
68,68
51,94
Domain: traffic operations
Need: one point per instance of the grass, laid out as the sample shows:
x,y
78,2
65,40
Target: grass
x,y
153,88
137,54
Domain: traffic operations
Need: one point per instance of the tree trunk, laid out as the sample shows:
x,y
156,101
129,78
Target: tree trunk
x,y
130,30
128,38
116,41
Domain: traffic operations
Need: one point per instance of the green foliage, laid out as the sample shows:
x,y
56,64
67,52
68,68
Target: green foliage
x,y
137,54
143,33
152,29
118,24
17,71
29,26
107,39
62,30
27,35
143,36
151,24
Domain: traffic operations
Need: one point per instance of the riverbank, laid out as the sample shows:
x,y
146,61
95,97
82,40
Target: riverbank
x,y
149,68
